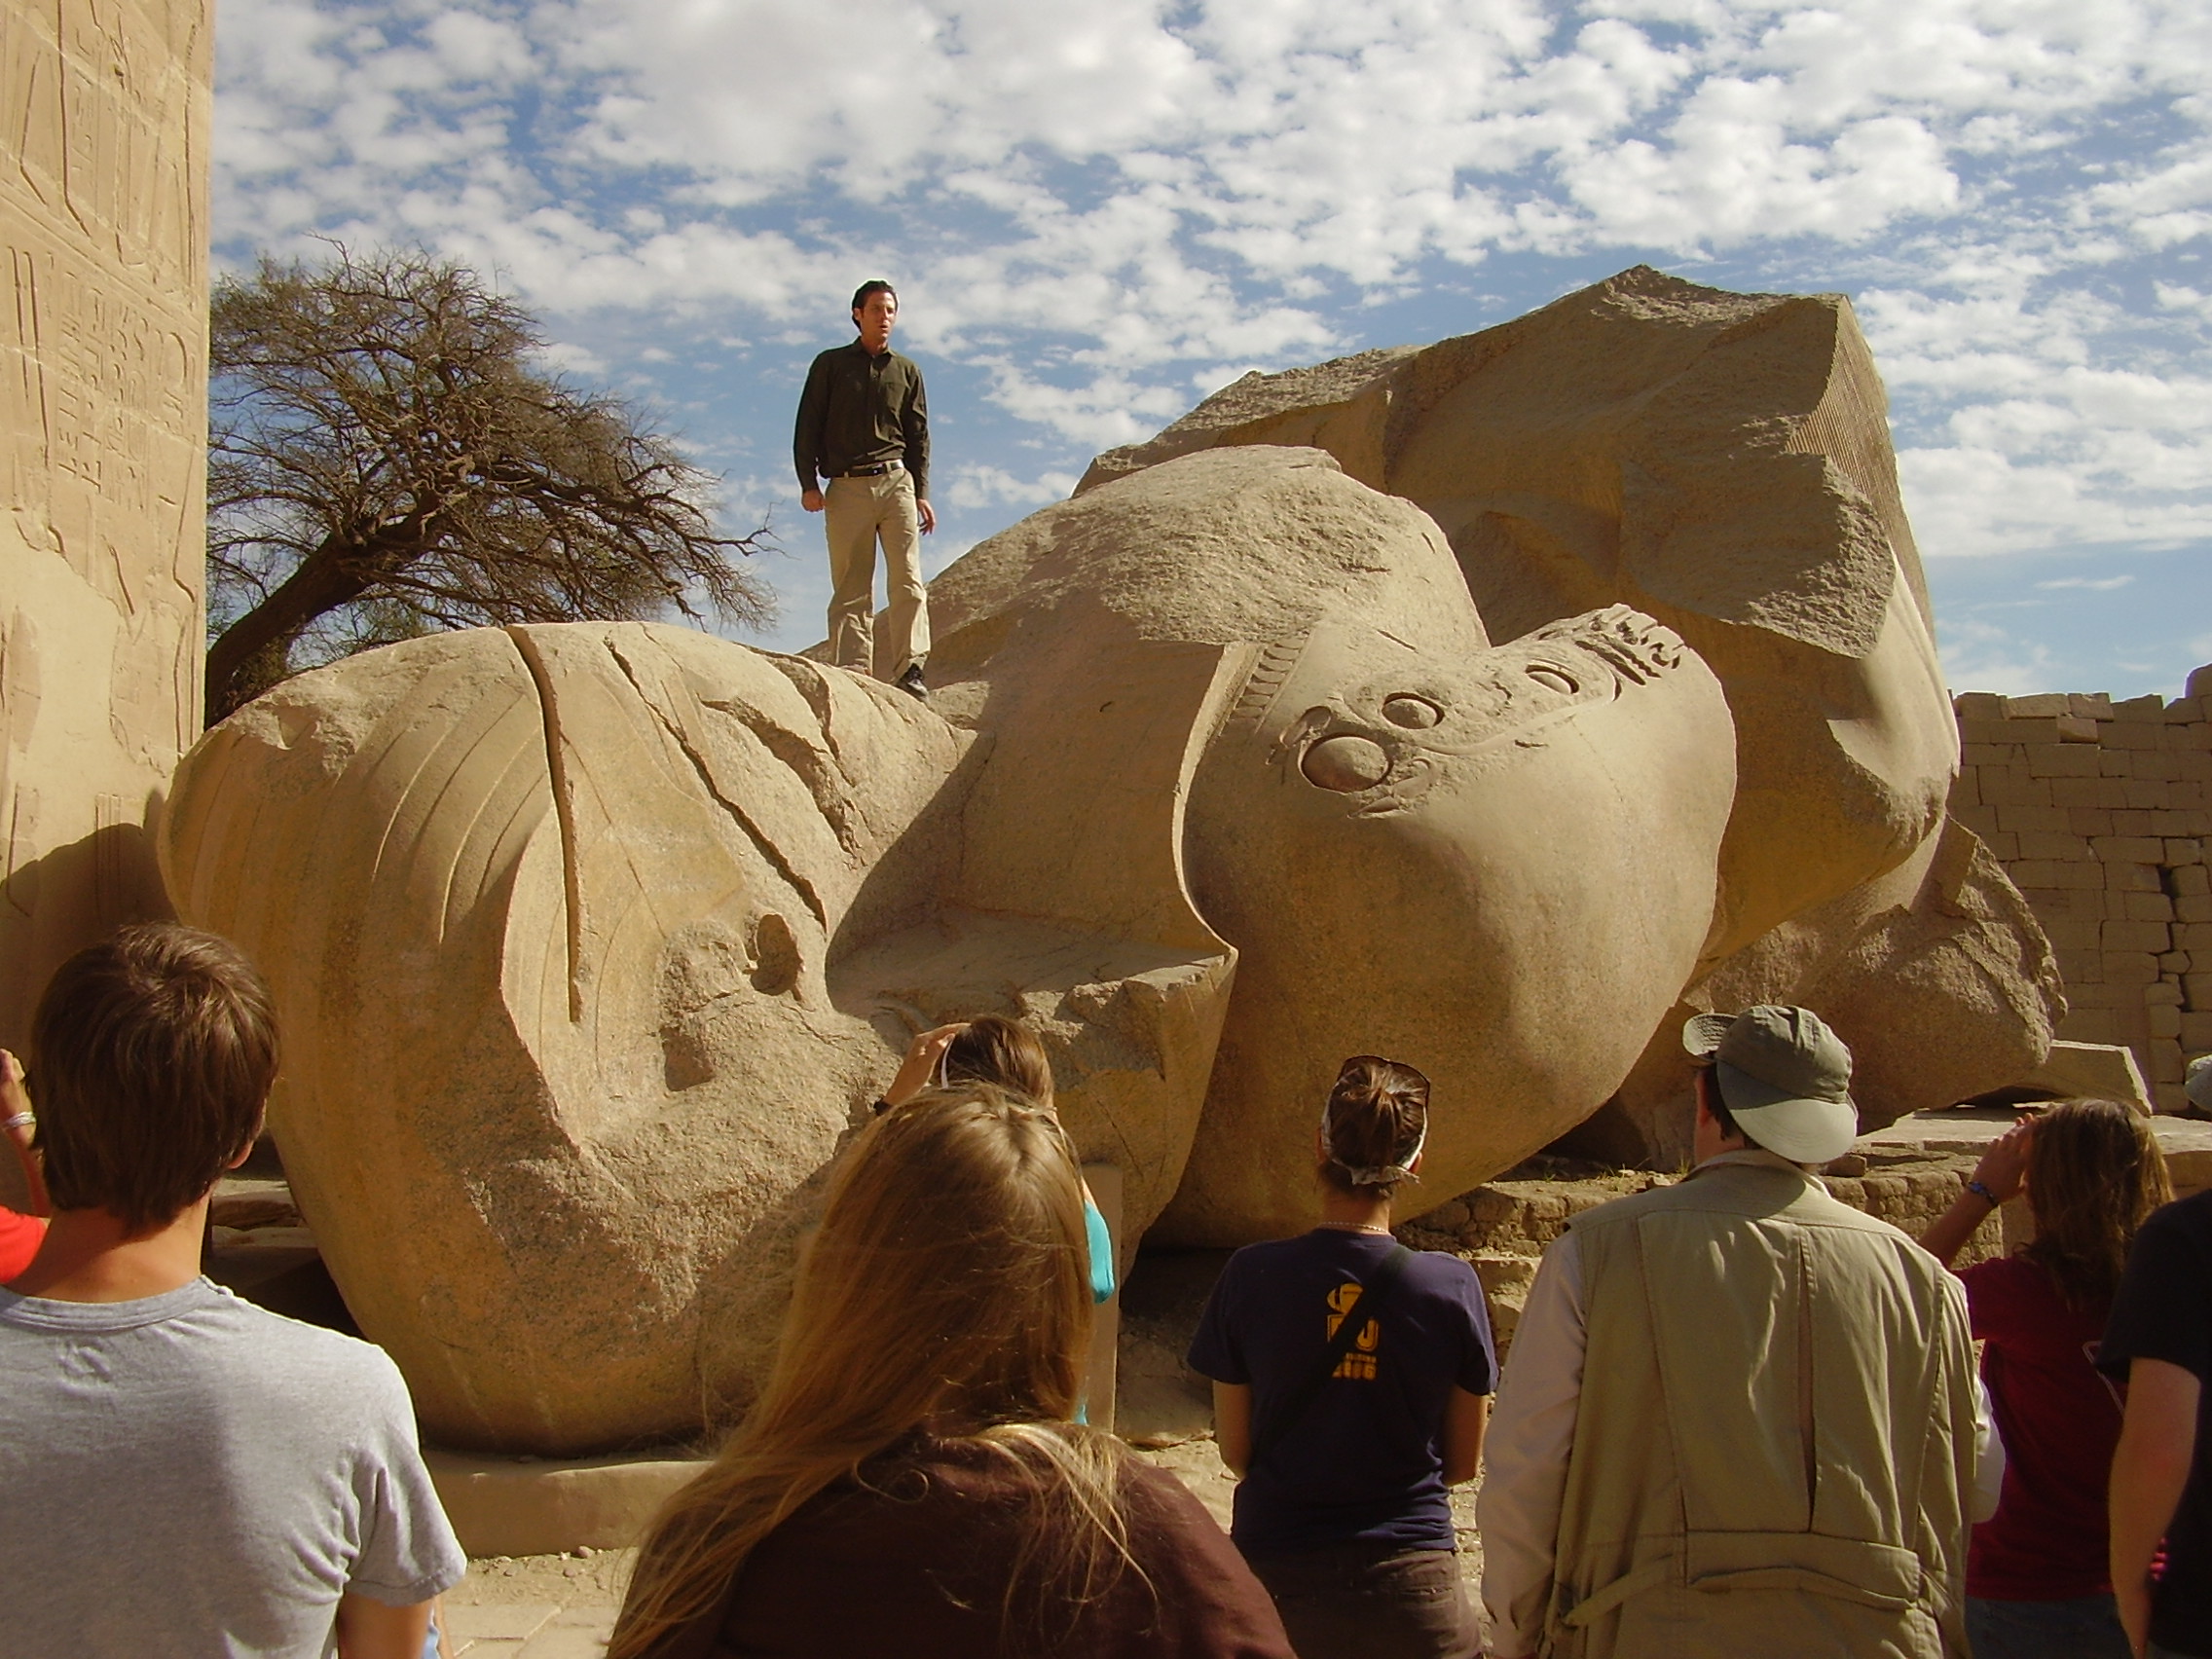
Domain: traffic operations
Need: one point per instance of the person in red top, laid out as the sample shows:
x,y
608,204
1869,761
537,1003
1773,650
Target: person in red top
x,y
21,1235
2038,1583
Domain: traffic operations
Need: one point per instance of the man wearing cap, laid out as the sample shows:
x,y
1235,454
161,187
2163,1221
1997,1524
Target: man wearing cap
x,y
864,425
1739,1416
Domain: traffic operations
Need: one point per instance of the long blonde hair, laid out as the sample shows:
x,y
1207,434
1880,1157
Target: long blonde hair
x,y
2095,1173
947,1282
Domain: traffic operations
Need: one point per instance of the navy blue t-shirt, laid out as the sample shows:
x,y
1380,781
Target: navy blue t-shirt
x,y
1365,1462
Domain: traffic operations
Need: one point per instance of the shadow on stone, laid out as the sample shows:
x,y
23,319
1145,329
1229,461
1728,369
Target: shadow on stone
x,y
1161,1400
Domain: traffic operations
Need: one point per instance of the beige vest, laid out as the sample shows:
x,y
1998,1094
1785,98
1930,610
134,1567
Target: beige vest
x,y
1775,1431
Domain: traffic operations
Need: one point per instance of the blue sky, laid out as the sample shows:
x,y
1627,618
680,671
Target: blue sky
x,y
1097,213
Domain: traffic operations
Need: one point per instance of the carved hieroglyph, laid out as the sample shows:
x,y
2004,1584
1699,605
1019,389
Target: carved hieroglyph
x,y
592,943
103,397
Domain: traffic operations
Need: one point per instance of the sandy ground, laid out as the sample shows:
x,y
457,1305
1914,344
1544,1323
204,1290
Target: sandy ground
x,y
543,1607
563,1607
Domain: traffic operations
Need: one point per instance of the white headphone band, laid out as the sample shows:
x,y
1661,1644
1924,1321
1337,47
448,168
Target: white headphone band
x,y
1383,1175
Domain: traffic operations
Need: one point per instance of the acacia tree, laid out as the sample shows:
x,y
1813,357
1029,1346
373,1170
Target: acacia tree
x,y
387,459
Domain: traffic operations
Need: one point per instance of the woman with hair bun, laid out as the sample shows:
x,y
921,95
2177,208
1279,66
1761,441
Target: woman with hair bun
x,y
908,1481
2038,1577
1352,1383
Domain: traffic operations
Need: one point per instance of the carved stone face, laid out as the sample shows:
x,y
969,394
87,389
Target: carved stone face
x,y
593,941
1499,869
1496,861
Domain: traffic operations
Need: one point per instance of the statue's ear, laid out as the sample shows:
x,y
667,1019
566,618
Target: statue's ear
x,y
1078,813
1070,906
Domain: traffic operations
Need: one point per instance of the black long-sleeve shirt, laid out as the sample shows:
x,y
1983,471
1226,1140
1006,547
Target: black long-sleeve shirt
x,y
861,410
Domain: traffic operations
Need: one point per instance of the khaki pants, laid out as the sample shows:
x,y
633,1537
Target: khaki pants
x,y
857,511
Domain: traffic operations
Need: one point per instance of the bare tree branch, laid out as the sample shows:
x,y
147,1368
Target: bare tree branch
x,y
385,460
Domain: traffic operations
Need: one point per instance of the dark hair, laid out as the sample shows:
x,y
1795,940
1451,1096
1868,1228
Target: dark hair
x,y
1001,1051
2094,1172
877,286
151,1057
1716,1107
1377,1111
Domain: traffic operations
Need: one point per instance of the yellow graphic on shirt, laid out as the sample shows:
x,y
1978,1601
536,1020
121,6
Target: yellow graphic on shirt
x,y
1358,1361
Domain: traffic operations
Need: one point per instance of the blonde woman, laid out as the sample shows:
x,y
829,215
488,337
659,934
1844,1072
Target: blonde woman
x,y
2038,1582
908,1481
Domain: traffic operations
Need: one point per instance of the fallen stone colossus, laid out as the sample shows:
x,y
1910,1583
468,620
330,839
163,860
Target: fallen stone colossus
x,y
1493,705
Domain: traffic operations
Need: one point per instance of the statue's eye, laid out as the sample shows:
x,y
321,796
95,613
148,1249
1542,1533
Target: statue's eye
x,y
1553,679
1346,763
1415,713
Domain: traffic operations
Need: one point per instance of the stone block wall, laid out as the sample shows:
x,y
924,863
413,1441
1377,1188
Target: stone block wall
x,y
2101,812
1504,1228
105,108
106,105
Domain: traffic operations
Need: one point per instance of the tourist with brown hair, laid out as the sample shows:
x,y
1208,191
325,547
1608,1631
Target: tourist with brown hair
x,y
183,1473
2038,1585
1351,1381
992,1049
908,1481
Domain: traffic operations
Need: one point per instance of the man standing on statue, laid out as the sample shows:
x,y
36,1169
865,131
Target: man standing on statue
x,y
863,425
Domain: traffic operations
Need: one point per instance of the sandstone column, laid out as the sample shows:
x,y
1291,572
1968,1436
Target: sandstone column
x,y
103,410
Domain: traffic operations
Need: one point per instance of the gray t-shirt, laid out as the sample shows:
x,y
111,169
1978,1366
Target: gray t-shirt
x,y
190,1475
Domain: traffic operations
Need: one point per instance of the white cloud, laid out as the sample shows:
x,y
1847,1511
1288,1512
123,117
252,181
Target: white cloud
x,y
1092,208
565,358
1732,173
2041,410
2181,186
1980,656
1107,410
974,485
1295,136
1344,137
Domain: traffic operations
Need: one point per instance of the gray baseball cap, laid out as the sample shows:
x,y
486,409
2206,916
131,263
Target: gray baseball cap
x,y
1785,1078
2200,1084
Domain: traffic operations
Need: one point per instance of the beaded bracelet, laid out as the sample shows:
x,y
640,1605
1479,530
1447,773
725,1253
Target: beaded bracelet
x,y
1981,1189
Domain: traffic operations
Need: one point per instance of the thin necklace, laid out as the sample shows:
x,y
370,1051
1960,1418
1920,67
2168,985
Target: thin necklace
x,y
1355,1227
